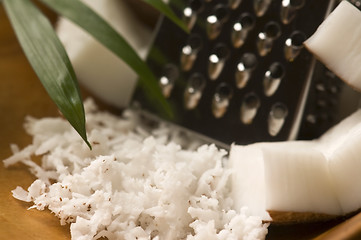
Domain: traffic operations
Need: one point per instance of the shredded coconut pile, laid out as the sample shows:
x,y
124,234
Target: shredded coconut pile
x,y
134,184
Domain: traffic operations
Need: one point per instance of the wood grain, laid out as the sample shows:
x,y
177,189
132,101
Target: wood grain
x,y
21,94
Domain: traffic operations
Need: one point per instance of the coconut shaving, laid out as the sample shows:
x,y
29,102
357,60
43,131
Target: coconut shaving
x,y
134,184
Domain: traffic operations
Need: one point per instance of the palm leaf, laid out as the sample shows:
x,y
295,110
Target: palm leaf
x,y
49,60
168,12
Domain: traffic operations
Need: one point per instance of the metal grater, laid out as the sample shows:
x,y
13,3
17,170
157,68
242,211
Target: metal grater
x,y
242,75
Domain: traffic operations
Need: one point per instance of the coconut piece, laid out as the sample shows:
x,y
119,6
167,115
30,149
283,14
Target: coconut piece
x,y
282,177
337,43
340,132
299,181
340,145
97,68
343,156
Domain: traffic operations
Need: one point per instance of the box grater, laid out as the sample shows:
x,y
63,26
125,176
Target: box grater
x,y
242,75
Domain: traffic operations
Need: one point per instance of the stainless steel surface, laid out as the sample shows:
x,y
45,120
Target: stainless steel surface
x,y
250,47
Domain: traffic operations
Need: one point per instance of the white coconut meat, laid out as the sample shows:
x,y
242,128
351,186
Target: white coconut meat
x,y
344,163
301,180
337,43
134,184
283,177
97,68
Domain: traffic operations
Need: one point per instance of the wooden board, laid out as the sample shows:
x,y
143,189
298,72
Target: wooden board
x,y
21,94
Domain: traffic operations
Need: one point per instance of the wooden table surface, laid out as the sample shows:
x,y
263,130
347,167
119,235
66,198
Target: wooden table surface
x,y
22,94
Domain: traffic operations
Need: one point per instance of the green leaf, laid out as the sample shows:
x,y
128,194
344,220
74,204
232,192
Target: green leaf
x,y
48,59
86,18
168,12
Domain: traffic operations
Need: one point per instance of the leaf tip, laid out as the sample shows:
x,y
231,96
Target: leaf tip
x,y
88,144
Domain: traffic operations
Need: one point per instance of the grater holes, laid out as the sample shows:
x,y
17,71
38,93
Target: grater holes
x,y
357,3
289,9
333,85
294,45
272,30
190,13
261,7
215,21
221,98
216,60
167,48
272,78
168,78
333,89
233,4
320,88
249,108
311,118
323,115
276,118
190,51
270,33
245,68
330,74
322,103
241,28
193,91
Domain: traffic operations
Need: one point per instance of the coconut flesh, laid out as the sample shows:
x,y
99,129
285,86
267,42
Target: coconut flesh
x,y
337,43
97,68
134,184
301,181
